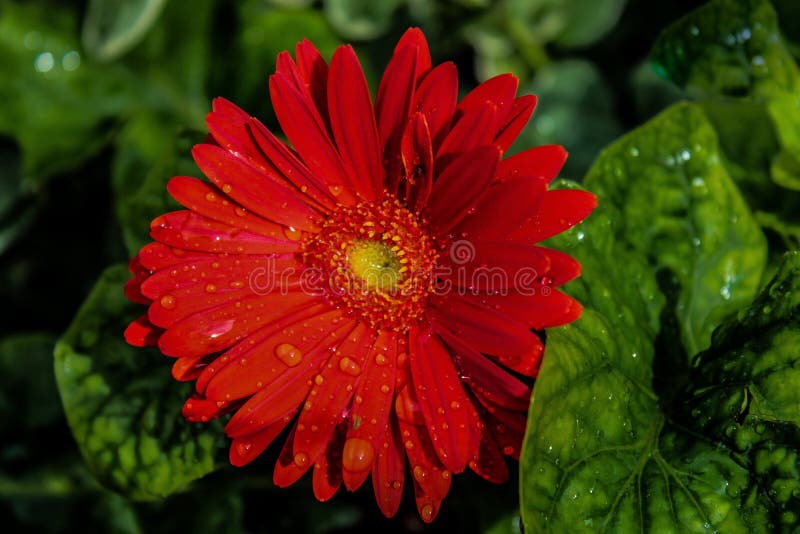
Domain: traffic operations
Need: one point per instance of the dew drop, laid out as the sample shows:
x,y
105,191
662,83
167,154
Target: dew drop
x,y
168,302
427,513
508,450
226,188
380,359
211,197
240,211
243,447
292,233
335,190
420,474
288,354
211,288
347,365
318,380
357,455
455,405
300,459
384,389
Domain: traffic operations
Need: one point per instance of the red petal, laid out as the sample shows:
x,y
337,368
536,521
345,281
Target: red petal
x,y
289,469
189,230
190,367
417,154
498,91
245,449
460,186
133,289
308,134
492,266
484,329
370,420
507,426
488,462
475,129
537,306
220,327
444,403
428,472
254,189
207,200
388,472
227,123
353,123
142,333
156,256
563,267
559,210
314,69
331,392
517,118
413,37
280,357
286,390
505,208
328,467
198,409
485,377
293,170
436,98
543,162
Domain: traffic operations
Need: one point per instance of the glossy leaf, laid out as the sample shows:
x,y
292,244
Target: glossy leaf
x,y
123,405
675,203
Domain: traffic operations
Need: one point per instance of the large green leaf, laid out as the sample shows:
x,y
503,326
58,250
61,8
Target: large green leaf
x,y
674,202
123,406
734,48
746,390
604,452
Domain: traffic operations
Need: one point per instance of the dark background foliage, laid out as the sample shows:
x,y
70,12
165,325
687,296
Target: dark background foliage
x,y
100,102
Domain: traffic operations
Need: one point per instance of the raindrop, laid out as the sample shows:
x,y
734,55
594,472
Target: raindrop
x,y
300,459
347,365
292,233
357,455
335,190
168,302
288,354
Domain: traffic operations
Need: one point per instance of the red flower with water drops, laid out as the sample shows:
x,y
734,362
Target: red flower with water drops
x,y
376,287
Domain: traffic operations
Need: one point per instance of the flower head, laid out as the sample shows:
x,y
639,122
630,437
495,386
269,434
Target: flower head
x,y
376,288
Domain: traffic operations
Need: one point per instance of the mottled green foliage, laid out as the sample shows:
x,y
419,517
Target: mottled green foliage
x,y
733,48
745,391
675,204
122,404
361,19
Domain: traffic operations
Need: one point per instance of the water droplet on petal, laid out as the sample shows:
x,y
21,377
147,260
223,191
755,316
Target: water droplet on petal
x,y
357,455
300,459
226,188
243,447
347,365
288,354
168,302
292,233
335,190
211,288
427,513
384,389
420,473
211,197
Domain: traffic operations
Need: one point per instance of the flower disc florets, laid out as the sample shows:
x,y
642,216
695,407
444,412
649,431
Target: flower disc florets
x,y
375,260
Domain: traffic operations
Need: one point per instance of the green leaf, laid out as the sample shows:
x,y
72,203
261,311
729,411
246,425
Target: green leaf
x,y
571,23
674,202
599,455
734,48
746,390
602,452
59,107
113,27
123,406
575,110
361,19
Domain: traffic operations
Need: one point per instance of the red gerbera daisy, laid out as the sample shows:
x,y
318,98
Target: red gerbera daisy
x,y
375,285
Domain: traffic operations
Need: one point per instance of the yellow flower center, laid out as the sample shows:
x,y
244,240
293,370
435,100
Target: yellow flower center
x,y
375,264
